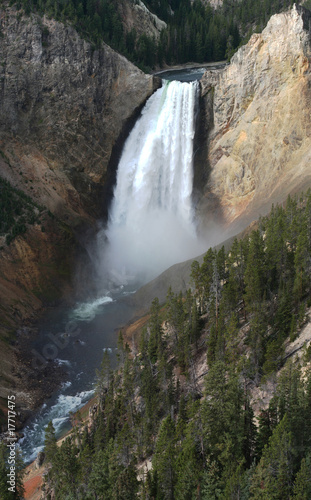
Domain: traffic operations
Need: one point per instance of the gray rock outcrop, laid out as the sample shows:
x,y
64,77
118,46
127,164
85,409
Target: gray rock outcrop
x,y
136,16
62,107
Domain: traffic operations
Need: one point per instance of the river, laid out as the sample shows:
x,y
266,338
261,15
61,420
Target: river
x,y
93,326
77,337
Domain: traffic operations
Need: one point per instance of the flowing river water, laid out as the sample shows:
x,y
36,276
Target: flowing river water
x,y
151,227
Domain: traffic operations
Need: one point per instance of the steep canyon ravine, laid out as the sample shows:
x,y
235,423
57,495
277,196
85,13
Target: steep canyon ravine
x,y
151,226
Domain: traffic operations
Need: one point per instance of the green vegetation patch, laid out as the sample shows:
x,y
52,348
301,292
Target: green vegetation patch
x,y
16,211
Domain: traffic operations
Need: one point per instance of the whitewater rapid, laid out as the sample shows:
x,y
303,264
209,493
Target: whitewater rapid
x,y
151,223
58,414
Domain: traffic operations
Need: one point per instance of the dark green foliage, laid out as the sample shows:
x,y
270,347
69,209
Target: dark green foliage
x,y
17,210
264,279
99,484
255,275
291,399
267,421
18,492
164,460
50,446
204,444
223,419
273,477
196,32
155,344
188,463
302,485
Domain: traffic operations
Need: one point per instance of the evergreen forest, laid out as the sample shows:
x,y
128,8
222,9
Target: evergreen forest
x,y
195,31
184,396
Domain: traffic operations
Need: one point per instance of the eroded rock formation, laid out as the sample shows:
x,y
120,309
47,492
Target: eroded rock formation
x,y
259,140
62,106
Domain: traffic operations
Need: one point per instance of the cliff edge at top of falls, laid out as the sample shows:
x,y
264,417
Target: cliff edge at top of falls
x,y
63,108
258,111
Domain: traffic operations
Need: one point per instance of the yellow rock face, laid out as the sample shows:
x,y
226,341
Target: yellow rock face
x,y
259,146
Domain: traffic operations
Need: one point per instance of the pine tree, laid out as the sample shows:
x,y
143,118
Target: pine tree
x,y
50,443
273,477
302,485
68,468
164,460
99,484
255,272
188,464
155,345
256,340
267,421
103,378
223,415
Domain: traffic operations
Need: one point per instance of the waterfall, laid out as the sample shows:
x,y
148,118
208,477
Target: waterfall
x,y
151,222
151,226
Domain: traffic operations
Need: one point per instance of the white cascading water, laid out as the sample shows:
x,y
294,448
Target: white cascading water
x,y
151,219
150,228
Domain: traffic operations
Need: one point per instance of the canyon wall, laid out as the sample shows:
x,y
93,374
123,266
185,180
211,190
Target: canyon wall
x,y
65,108
63,105
258,122
253,141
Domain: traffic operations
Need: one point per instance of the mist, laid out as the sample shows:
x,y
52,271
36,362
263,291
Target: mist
x,y
151,222
141,252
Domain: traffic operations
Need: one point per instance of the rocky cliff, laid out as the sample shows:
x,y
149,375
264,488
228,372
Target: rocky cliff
x,y
136,16
258,122
63,105
65,109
